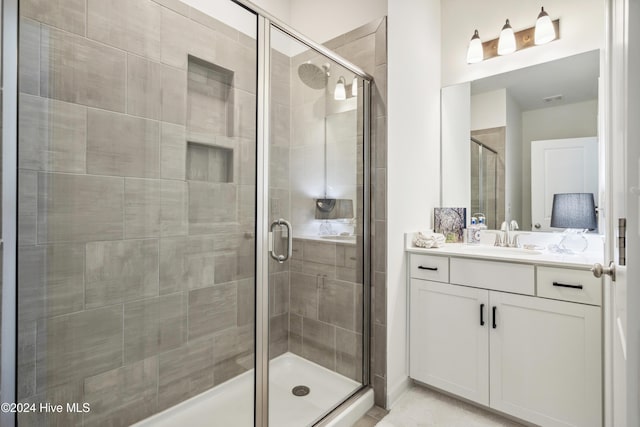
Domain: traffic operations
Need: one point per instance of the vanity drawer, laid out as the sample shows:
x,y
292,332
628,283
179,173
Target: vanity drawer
x,y
569,285
498,276
429,267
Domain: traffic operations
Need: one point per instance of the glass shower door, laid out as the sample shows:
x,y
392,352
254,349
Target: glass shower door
x,y
137,190
316,205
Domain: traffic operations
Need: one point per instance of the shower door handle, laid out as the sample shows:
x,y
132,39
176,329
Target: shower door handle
x,y
281,257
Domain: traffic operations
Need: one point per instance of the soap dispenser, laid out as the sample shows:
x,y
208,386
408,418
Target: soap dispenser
x,y
473,231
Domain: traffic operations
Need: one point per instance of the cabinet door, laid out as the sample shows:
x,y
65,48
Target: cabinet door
x,y
449,348
546,360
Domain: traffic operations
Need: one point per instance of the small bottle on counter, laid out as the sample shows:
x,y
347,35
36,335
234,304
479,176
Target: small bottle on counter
x,y
473,231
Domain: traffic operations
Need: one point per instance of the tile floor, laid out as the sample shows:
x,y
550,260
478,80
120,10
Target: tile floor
x,y
422,407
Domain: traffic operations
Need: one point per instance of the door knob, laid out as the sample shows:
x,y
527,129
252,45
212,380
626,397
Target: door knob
x,y
598,270
537,225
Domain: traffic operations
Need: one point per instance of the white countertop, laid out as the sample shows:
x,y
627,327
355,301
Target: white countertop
x,y
542,257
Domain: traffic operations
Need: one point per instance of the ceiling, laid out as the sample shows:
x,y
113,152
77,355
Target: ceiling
x,y
574,77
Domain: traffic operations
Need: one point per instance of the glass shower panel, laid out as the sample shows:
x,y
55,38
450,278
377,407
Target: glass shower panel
x,y
316,211
137,189
484,182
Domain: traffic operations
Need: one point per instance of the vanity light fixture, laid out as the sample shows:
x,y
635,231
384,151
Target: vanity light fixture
x,y
475,52
507,41
354,86
340,93
545,32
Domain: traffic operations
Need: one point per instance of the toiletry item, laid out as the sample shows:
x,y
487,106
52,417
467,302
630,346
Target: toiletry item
x,y
473,231
482,221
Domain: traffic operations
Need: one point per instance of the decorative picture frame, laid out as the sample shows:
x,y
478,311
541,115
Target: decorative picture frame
x,y
451,222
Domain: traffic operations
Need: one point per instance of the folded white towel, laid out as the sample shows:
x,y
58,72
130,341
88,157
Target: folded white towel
x,y
429,240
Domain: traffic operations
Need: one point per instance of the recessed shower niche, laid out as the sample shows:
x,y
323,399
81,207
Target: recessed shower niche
x,y
209,163
209,98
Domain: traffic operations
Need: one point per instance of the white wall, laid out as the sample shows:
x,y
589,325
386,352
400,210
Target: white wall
x,y
324,20
237,17
581,29
489,110
413,157
455,130
565,121
513,166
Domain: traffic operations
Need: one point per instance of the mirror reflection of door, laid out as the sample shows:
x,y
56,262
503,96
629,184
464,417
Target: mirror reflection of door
x,y
561,166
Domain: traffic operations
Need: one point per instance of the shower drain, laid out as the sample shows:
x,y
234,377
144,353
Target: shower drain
x,y
300,390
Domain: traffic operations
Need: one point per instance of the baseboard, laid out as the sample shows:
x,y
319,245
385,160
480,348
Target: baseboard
x,y
397,390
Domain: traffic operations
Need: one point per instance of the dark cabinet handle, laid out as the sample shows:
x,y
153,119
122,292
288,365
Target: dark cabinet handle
x,y
421,267
494,309
564,285
481,314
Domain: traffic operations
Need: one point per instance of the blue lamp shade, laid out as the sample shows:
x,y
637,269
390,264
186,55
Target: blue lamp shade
x,y
574,210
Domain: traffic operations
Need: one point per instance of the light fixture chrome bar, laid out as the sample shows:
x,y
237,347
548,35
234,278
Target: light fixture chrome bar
x,y
9,206
262,227
304,39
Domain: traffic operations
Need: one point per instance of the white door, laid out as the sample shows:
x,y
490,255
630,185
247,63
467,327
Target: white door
x,y
622,317
561,166
449,338
546,360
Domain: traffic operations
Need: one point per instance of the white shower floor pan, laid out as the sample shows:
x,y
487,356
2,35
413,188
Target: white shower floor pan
x,y
231,404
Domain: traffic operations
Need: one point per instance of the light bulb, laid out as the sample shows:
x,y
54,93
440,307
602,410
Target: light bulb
x,y
507,41
545,32
475,52
354,87
340,93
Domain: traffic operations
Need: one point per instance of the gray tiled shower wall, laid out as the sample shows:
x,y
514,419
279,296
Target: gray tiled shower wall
x,y
136,287
367,47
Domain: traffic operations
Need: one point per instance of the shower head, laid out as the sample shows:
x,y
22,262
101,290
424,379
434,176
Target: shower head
x,y
314,76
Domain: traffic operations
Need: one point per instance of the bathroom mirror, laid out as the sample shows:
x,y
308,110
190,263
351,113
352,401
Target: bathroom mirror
x,y
490,127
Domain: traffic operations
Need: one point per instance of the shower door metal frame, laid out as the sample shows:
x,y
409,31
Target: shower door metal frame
x,y
9,334
265,23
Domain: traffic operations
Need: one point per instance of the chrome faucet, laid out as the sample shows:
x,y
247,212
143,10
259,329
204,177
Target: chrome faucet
x,y
506,236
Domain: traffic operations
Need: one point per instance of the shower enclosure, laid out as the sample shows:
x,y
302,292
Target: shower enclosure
x,y
177,178
484,182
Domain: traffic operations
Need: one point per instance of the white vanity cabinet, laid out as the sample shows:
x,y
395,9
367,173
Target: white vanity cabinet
x,y
528,349
449,346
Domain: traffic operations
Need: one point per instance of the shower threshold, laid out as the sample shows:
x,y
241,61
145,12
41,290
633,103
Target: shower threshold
x,y
231,403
